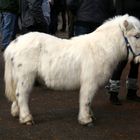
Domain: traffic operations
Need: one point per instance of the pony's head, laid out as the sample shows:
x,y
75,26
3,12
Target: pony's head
x,y
130,27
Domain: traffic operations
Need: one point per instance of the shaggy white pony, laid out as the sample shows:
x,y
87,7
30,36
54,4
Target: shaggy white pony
x,y
85,62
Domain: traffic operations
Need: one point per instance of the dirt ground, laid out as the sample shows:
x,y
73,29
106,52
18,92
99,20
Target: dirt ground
x,y
55,115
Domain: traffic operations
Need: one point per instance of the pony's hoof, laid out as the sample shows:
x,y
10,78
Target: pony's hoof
x,y
90,125
28,120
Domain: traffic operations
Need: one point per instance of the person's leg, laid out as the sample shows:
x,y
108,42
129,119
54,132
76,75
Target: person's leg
x,y
114,83
8,29
54,21
71,19
63,14
132,83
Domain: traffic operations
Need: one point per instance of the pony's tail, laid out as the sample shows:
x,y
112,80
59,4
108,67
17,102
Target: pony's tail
x,y
10,83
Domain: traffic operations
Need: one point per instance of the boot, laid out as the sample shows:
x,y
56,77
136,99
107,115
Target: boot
x,y
132,95
114,98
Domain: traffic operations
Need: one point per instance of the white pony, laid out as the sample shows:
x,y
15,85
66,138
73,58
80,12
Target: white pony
x,y
85,62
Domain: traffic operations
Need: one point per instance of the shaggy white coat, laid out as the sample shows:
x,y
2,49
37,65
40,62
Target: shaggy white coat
x,y
85,62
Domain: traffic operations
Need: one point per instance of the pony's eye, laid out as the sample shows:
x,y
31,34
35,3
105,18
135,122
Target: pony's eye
x,y
137,36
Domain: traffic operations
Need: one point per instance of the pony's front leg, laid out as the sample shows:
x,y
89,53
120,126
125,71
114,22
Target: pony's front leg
x,y
22,95
85,112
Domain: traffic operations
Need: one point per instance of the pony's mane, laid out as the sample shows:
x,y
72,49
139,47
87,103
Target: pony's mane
x,y
119,20
116,21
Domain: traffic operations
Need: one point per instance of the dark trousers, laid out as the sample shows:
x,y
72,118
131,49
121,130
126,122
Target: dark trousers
x,y
118,71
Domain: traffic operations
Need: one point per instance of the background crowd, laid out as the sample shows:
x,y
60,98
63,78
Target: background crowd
x,y
22,16
83,16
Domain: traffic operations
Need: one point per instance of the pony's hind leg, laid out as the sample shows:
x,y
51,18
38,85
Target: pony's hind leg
x,y
85,112
24,86
15,109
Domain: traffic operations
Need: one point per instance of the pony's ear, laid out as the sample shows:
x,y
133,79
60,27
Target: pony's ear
x,y
127,25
